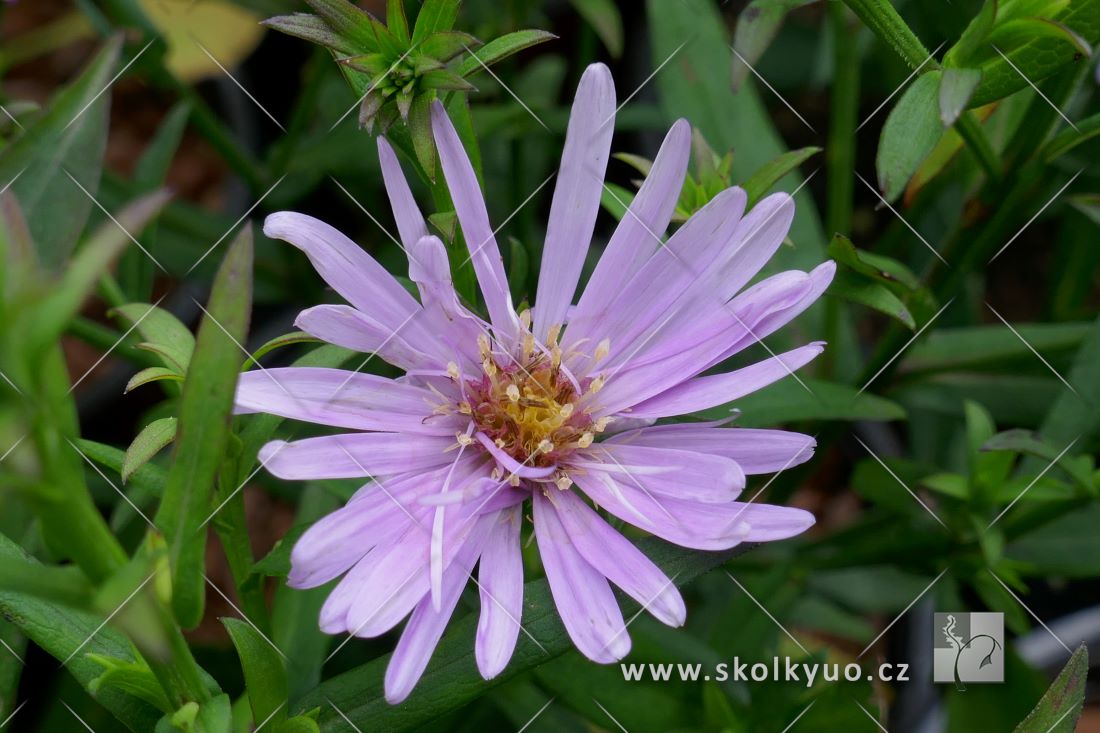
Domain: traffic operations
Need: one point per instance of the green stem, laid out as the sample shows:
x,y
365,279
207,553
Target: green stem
x,y
232,528
840,152
970,129
881,17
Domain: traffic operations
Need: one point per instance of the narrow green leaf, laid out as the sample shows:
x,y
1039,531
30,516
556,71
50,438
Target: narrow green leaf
x,y
69,138
501,48
992,348
1074,414
1064,547
311,28
446,81
973,37
150,441
276,563
1023,30
287,339
762,180
604,17
876,266
152,374
756,28
132,677
1060,707
90,262
264,674
445,45
164,334
1079,468
300,724
434,16
616,200
955,89
420,128
911,131
11,667
1068,139
348,21
150,476
858,289
215,716
396,20
451,680
205,412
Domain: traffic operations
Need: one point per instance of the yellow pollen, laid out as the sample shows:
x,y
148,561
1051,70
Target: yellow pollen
x,y
597,384
525,318
563,482
489,367
567,409
464,439
603,349
585,440
512,392
452,370
483,345
552,333
545,446
601,424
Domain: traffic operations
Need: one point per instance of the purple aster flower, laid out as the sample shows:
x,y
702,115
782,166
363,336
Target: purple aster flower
x,y
555,405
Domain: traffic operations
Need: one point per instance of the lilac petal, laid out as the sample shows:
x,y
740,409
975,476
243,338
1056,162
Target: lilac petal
x,y
758,236
378,513
511,464
638,234
619,560
351,328
755,450
342,399
410,222
698,525
657,290
456,327
352,455
584,599
425,628
474,218
500,585
576,197
351,272
682,474
703,392
768,522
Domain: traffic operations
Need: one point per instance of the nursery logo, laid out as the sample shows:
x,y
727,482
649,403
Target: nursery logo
x,y
968,647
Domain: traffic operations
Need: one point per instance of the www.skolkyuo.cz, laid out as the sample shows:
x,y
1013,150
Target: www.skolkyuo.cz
x,y
780,669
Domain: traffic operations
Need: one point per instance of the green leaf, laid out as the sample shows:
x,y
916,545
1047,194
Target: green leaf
x,y
955,89
73,636
152,374
69,138
150,476
501,48
911,131
164,334
973,37
1039,58
518,268
616,200
1024,441
215,716
445,45
1074,414
287,339
1063,547
451,680
992,348
762,180
348,21
420,129
874,295
435,16
879,267
604,17
204,416
300,724
276,563
89,263
1022,30
264,674
756,28
788,401
150,441
1071,137
310,28
1060,707
132,677
397,22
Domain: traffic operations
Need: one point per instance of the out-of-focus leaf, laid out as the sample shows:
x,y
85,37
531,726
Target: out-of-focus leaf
x,y
944,152
276,563
1068,139
1039,58
264,674
788,401
72,636
760,182
616,200
451,680
501,48
1060,707
90,262
300,724
205,409
604,17
1065,546
67,139
1024,441
973,37
518,268
150,441
1075,415
992,348
956,86
11,667
857,289
756,28
226,31
911,132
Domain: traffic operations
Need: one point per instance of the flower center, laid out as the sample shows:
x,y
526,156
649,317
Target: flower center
x,y
529,406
